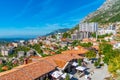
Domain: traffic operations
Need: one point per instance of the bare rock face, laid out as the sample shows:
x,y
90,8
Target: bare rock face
x,y
108,12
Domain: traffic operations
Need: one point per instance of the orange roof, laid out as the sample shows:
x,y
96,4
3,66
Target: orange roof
x,y
63,39
60,63
79,51
89,40
41,66
5,68
28,72
86,40
112,42
95,47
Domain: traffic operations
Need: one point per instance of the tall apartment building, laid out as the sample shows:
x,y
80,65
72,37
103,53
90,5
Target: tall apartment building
x,y
88,27
85,30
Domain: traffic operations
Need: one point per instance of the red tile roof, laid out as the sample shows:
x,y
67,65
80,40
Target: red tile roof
x,y
41,66
28,72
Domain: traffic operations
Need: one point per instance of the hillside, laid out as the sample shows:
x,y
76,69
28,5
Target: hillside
x,y
109,12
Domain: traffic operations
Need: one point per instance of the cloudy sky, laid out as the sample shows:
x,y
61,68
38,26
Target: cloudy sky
x,y
38,17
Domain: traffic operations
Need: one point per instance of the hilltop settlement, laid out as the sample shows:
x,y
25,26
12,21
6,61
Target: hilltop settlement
x,y
78,54
89,51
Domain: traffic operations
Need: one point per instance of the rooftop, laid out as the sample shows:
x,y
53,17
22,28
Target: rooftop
x,y
41,66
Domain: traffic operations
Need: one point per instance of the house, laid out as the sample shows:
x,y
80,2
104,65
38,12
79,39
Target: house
x,y
108,30
31,53
6,51
32,71
15,44
21,54
117,45
35,41
1,61
42,68
109,38
15,61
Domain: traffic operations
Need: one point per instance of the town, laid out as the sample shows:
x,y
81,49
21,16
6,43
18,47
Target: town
x,y
78,54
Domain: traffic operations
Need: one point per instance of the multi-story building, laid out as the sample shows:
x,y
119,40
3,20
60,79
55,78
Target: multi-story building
x,y
6,52
109,30
85,29
88,27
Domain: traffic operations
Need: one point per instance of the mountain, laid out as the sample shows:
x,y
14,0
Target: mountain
x,y
57,31
109,12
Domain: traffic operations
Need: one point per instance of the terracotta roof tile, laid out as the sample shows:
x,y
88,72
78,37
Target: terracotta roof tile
x,y
60,63
28,72
41,66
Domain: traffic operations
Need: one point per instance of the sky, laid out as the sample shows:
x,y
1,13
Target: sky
x,y
39,17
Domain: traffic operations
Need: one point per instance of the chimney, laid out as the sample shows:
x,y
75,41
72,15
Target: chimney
x,y
26,61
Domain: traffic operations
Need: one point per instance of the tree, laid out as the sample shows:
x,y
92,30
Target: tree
x,y
90,54
114,64
67,77
87,45
66,35
118,74
79,62
75,43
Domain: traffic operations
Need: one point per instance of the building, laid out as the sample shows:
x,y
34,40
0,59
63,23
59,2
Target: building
x,y
6,51
117,45
85,30
21,54
42,68
15,44
88,27
109,30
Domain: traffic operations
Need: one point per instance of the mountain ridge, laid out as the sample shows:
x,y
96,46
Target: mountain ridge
x,y
108,12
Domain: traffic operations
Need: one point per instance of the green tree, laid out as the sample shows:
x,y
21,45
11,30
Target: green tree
x,y
67,77
87,45
79,62
66,35
90,54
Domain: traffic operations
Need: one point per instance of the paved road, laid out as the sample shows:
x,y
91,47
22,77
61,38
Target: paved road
x,y
99,74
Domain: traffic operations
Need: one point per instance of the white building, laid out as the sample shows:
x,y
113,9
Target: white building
x,y
6,52
117,45
88,27
35,41
103,32
21,54
110,30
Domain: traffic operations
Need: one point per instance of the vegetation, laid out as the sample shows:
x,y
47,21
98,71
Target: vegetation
x,y
75,43
86,45
66,35
19,48
90,54
114,64
78,43
97,63
37,47
101,36
79,62
53,36
73,29
111,57
9,66
67,77
61,49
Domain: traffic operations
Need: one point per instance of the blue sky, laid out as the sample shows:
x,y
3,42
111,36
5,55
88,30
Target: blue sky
x,y
38,17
